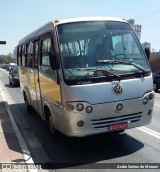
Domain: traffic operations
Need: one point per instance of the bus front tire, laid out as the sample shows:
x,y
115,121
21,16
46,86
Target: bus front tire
x,y
51,125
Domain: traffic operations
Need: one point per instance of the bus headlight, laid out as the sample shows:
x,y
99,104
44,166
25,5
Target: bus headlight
x,y
89,109
145,100
69,107
79,107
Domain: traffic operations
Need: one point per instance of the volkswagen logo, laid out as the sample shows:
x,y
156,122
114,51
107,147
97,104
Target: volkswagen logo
x,y
117,88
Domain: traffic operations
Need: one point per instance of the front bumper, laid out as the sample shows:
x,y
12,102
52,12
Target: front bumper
x,y
135,113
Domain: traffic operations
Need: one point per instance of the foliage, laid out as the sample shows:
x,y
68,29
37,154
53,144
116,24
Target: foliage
x,y
5,59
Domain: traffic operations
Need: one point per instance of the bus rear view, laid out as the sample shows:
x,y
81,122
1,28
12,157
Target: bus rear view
x,y
107,82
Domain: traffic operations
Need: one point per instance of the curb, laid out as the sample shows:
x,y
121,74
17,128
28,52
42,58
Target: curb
x,y
25,151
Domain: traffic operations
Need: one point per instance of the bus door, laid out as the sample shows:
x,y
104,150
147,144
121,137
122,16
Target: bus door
x,y
38,103
48,80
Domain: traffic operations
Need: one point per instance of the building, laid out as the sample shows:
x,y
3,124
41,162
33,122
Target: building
x,y
146,45
136,27
130,46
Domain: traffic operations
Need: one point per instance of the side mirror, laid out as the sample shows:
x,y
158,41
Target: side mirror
x,y
147,51
53,61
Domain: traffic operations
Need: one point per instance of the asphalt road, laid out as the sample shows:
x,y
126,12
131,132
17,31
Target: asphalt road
x,y
133,146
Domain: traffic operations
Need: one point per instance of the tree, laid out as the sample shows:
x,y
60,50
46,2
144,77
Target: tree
x,y
6,59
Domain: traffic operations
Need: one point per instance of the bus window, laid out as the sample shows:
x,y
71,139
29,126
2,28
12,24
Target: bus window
x,y
123,49
45,62
46,46
30,55
118,44
36,48
19,56
24,55
73,54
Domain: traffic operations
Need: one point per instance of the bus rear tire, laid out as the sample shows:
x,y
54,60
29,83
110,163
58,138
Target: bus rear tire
x,y
27,105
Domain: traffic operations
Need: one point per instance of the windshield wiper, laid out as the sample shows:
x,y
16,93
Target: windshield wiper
x,y
120,62
99,70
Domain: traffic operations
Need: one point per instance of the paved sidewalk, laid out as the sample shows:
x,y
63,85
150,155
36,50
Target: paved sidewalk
x,y
10,151
14,153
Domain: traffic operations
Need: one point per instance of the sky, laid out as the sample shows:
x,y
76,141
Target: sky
x,y
20,17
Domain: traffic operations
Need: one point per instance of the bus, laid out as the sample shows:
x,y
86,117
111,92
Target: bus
x,y
86,76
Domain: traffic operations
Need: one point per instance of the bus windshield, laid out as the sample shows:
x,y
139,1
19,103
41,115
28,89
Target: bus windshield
x,y
88,49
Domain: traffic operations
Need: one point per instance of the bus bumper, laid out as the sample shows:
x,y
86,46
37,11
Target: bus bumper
x,y
106,118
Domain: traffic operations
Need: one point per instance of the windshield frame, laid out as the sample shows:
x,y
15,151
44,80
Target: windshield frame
x,y
102,78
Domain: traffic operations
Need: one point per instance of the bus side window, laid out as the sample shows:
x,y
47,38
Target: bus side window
x,y
30,55
45,67
24,55
19,56
36,49
46,46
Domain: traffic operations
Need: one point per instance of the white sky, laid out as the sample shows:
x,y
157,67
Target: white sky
x,y
20,17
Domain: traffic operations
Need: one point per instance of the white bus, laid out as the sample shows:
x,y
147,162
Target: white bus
x,y
86,76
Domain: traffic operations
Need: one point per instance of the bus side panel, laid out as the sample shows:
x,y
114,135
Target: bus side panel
x,y
57,111
49,88
28,85
51,97
46,92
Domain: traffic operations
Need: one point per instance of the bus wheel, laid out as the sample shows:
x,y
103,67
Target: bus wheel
x,y
51,125
28,107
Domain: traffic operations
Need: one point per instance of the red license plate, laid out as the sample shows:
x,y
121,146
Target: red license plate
x,y
118,126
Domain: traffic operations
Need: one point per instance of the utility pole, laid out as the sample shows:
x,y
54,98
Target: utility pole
x,y
2,42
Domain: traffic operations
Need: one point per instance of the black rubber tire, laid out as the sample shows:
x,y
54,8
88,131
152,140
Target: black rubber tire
x,y
27,105
51,126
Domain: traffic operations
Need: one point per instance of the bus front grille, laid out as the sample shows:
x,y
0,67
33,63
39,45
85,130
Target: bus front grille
x,y
101,123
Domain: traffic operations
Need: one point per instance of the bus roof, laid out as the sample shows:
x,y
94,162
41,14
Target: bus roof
x,y
81,19
50,25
